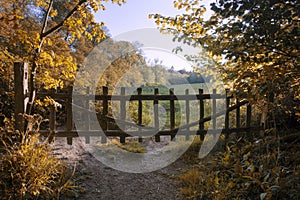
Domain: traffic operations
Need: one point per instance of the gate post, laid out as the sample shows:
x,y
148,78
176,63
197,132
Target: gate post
x,y
201,124
21,90
227,114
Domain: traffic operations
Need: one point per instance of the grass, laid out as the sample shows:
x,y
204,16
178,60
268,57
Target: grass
x,y
261,168
28,168
131,146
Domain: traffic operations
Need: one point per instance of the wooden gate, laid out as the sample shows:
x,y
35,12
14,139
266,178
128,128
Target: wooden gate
x,y
122,127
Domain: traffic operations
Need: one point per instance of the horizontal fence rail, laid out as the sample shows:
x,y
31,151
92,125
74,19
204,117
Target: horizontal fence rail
x,y
121,127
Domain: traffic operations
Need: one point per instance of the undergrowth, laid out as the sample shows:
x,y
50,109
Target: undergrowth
x,y
265,169
132,146
191,155
28,169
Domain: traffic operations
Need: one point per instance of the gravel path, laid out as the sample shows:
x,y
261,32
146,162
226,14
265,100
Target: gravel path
x,y
102,182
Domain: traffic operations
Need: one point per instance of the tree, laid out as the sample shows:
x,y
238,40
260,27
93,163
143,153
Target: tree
x,y
46,34
255,43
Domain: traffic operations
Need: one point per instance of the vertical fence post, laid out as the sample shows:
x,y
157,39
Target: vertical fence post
x,y
87,115
214,104
103,120
69,115
20,89
227,114
52,123
201,124
248,122
172,113
187,114
156,119
123,113
238,117
140,113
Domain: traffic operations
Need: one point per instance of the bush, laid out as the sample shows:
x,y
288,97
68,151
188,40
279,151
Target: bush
x,y
246,170
28,169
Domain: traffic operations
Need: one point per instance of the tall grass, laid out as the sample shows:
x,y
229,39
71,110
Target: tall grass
x,y
28,168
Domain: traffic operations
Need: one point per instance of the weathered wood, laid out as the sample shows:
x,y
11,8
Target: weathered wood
x,y
172,113
140,129
238,119
140,113
20,89
166,97
156,115
127,123
134,97
87,115
118,133
187,113
201,108
248,119
214,107
103,120
123,113
52,123
206,119
249,109
227,114
69,115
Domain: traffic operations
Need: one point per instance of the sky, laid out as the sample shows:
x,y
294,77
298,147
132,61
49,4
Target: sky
x,y
134,15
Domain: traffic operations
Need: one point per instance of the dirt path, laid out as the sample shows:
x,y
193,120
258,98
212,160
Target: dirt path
x,y
102,182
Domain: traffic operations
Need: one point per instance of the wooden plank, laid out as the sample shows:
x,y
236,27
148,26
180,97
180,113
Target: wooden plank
x,y
122,113
206,119
156,98
214,107
151,97
140,113
69,116
156,115
227,114
20,92
52,122
172,113
128,123
87,115
118,133
249,110
103,120
144,97
201,108
187,113
238,113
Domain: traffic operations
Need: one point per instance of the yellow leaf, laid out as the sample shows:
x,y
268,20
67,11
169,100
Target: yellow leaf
x,y
53,13
175,4
216,180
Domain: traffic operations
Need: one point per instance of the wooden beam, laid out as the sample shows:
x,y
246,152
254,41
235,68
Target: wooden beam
x,y
156,115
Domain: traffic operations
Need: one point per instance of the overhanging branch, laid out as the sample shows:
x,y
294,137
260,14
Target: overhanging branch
x,y
59,25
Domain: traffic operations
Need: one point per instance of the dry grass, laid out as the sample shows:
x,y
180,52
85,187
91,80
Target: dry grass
x,y
261,169
132,146
28,169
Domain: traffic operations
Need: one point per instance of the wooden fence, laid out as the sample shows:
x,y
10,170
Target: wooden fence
x,y
126,128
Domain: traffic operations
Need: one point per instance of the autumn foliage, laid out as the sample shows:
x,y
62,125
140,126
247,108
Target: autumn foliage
x,y
254,45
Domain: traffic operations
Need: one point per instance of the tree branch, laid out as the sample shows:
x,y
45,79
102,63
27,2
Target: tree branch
x,y
45,25
59,25
46,17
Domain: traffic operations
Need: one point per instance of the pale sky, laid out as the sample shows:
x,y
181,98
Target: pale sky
x,y
134,15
